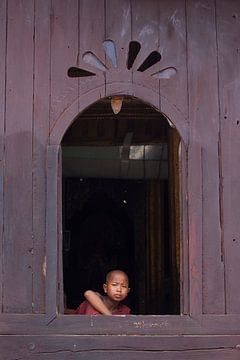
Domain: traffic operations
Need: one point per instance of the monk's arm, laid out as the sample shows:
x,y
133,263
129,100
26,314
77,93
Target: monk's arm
x,y
95,300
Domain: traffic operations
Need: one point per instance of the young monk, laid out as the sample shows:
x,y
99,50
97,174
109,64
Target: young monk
x,y
116,289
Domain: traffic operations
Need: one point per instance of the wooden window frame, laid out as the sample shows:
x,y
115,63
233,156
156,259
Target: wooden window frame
x,y
54,281
191,288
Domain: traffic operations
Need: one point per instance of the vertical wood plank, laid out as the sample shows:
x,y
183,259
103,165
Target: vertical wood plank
x,y
3,9
145,17
204,117
174,218
172,38
184,234
92,28
52,232
118,29
228,30
91,36
40,138
60,288
195,229
64,54
18,245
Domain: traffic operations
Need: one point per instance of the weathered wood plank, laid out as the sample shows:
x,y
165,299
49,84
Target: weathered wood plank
x,y
64,54
130,325
60,284
91,37
184,243
203,142
92,28
52,232
3,22
145,17
203,113
172,39
81,347
229,87
118,29
40,138
195,228
67,117
18,242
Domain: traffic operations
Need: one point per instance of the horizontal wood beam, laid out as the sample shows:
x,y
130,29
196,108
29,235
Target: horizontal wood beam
x,y
104,347
11,324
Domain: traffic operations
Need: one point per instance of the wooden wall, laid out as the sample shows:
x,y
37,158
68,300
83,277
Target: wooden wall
x,y
39,42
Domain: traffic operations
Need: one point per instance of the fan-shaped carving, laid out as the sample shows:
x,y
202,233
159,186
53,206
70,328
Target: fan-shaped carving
x,y
111,53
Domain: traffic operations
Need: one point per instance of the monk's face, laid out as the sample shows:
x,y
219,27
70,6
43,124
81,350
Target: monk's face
x,y
116,286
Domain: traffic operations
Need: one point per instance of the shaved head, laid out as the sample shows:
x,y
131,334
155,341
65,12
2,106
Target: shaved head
x,y
112,273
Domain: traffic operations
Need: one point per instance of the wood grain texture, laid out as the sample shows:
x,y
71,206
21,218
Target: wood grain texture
x,y
92,28
152,325
52,232
118,28
67,117
3,22
204,128
195,229
184,240
18,244
173,46
145,28
145,31
228,28
42,43
40,139
64,54
85,347
92,34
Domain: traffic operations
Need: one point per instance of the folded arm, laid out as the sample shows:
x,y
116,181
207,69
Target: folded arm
x,y
95,300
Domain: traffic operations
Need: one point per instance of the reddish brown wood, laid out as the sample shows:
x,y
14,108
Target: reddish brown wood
x,y
227,28
67,117
137,343
145,28
59,255
172,41
118,28
62,347
208,33
145,31
184,243
203,115
64,54
94,44
138,325
3,8
52,232
40,138
89,24
195,228
18,244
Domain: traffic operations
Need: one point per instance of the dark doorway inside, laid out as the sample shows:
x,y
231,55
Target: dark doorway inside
x,y
102,234
120,205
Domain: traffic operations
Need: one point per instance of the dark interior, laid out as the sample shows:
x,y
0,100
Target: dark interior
x,y
118,208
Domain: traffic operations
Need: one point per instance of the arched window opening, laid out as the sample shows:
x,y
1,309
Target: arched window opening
x,y
121,205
